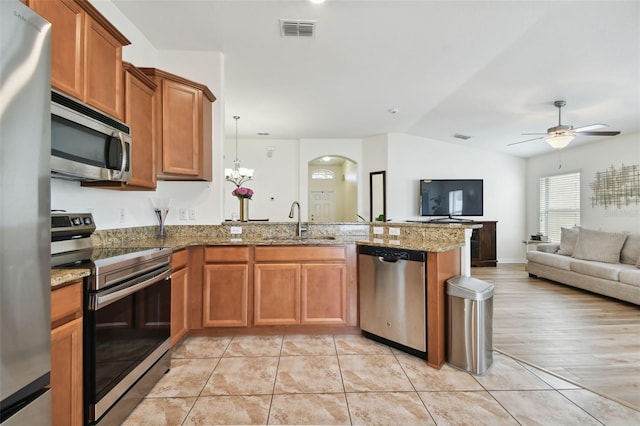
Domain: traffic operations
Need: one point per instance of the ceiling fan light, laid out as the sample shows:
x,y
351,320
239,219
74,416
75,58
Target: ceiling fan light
x,y
559,141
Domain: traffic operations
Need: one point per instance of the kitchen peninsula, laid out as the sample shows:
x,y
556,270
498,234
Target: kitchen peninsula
x,y
257,277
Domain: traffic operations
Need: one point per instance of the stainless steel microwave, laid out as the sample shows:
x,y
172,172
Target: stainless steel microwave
x,y
86,144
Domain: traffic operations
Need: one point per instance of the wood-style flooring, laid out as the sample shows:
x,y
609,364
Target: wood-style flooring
x,y
591,340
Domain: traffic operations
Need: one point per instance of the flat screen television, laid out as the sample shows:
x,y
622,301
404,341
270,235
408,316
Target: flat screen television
x,y
451,197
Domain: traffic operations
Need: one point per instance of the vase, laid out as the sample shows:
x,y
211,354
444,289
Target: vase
x,y
244,209
161,215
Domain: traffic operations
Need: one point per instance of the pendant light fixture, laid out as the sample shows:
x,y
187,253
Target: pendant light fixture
x,y
238,175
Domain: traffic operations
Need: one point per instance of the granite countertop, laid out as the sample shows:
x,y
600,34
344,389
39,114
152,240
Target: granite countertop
x,y
177,243
64,276
413,236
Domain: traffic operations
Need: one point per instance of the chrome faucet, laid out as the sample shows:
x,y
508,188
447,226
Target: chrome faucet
x,y
295,203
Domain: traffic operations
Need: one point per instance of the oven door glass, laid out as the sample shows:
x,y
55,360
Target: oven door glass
x,y
123,334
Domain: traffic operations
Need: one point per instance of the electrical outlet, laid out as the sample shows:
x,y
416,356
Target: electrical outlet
x,y
182,213
378,230
123,215
192,213
394,231
236,230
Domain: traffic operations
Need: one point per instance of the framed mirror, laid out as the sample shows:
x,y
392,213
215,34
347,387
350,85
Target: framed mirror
x,y
377,196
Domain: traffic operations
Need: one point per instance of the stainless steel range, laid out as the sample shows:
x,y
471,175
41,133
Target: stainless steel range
x,y
127,316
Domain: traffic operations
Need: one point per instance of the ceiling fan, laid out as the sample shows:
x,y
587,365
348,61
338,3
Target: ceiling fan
x,y
561,135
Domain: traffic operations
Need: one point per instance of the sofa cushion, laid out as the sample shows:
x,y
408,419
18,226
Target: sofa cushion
x,y
568,240
630,252
548,247
602,270
630,276
549,259
599,246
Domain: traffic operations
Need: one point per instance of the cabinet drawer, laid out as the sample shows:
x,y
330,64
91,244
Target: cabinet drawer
x,y
226,254
66,301
179,259
300,253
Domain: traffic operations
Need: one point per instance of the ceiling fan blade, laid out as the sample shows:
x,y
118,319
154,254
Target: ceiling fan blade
x,y
589,128
528,140
610,133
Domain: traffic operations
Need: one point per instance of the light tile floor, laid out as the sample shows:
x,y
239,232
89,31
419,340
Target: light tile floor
x,y
348,379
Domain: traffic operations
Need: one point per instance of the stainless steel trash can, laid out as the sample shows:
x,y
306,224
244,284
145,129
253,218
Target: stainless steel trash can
x,y
470,324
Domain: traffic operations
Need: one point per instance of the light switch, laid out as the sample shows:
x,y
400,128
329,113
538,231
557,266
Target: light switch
x,y
378,230
236,230
394,231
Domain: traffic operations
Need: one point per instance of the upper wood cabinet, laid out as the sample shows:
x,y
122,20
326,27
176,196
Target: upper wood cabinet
x,y
139,113
184,127
86,53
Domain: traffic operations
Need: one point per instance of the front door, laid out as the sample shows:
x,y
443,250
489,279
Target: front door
x,y
323,206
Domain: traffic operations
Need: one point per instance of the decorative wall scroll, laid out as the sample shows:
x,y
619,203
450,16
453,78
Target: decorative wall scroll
x,y
616,187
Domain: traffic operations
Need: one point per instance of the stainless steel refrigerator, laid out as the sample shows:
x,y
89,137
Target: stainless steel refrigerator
x,y
25,149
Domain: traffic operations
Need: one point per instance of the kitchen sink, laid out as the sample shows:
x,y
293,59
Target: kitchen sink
x,y
303,238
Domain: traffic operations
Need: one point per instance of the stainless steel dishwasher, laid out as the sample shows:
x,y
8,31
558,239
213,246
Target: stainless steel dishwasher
x,y
393,299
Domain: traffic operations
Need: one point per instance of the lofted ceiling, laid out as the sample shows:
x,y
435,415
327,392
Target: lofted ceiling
x,y
490,70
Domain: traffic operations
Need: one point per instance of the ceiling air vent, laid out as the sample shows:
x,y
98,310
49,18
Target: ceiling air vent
x,y
297,28
463,137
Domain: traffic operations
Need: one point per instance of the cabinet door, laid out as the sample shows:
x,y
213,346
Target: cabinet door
x,y
324,294
179,300
226,290
103,69
488,242
180,129
277,294
67,53
139,113
66,373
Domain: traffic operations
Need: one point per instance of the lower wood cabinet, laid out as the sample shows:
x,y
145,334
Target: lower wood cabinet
x,y
66,355
277,294
179,295
323,298
225,287
311,291
247,286
483,245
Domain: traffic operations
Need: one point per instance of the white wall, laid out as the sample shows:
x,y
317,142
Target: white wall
x,y
350,192
587,159
374,159
411,158
275,183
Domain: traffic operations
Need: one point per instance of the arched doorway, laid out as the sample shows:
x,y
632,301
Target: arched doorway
x,y
333,189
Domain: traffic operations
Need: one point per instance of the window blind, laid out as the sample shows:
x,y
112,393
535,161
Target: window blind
x,y
559,203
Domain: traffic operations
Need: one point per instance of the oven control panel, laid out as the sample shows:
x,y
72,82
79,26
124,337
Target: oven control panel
x,y
69,225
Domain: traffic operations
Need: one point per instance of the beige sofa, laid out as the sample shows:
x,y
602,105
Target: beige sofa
x,y
607,263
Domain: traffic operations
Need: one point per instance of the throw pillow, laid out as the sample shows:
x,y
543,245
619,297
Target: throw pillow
x,y
599,246
568,240
631,249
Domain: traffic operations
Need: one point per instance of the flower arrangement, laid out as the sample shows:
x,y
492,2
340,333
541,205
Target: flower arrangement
x,y
242,192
